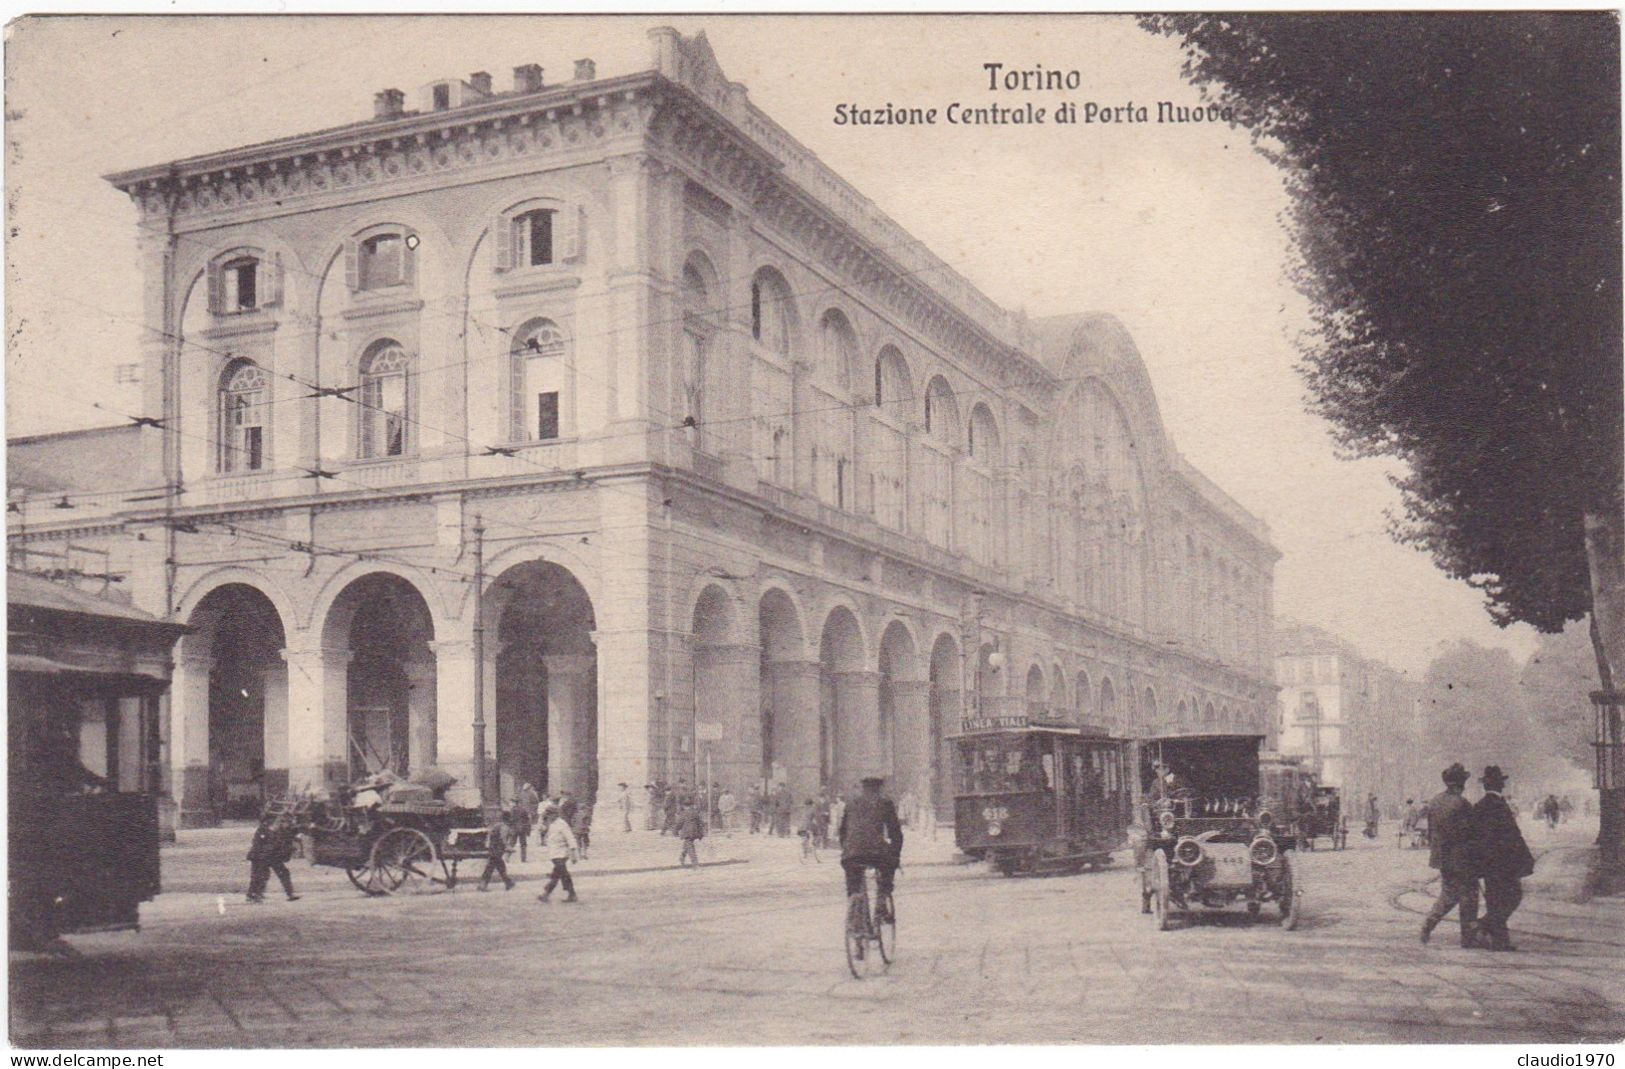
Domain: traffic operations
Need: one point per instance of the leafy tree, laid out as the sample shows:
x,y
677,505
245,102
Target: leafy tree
x,y
1475,714
1555,681
1456,199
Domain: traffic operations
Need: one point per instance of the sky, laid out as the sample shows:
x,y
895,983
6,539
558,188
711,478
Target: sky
x,y
1173,228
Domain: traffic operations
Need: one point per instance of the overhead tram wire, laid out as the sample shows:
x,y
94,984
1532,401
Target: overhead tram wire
x,y
322,277
551,536
456,316
510,450
486,450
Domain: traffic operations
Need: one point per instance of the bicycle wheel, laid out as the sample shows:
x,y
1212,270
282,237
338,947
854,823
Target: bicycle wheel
x,y
856,933
886,927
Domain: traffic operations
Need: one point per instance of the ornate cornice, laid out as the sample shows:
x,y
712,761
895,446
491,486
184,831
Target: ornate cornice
x,y
385,157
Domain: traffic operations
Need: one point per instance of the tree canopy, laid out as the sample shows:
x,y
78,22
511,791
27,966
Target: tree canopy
x,y
1456,197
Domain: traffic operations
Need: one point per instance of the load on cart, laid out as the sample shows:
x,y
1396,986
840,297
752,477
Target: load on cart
x,y
392,836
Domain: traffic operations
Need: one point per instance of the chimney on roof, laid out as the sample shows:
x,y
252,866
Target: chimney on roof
x,y
527,78
388,104
480,81
586,70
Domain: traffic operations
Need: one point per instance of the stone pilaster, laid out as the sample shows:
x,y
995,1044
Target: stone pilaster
x,y
795,723
318,716
857,728
189,737
727,689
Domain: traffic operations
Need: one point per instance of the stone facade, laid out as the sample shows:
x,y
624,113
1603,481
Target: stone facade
x,y
1361,720
762,486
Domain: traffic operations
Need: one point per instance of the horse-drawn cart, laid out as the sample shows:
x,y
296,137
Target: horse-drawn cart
x,y
392,838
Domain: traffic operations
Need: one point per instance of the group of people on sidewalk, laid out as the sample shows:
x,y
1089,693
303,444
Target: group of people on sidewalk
x,y
1473,842
565,826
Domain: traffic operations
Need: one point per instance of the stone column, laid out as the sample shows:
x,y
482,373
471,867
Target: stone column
x,y
857,727
189,737
276,729
422,702
454,692
795,723
571,724
911,735
318,716
950,709
727,688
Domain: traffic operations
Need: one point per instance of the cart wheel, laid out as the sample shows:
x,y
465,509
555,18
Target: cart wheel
x,y
405,861
1159,892
1290,890
365,878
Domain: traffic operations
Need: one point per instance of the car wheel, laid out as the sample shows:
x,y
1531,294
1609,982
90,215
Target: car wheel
x,y
1290,890
1160,893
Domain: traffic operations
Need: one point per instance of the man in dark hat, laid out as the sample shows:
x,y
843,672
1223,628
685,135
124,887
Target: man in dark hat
x,y
1450,840
871,836
1503,858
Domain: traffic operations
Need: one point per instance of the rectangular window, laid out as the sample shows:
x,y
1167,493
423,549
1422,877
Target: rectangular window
x,y
547,415
538,239
253,448
383,261
245,276
442,97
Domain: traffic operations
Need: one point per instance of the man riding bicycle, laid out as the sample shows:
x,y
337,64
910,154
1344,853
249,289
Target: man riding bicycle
x,y
871,837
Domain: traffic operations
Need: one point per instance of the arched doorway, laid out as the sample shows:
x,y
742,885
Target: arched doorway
x,y
848,705
944,676
237,648
546,681
1108,705
390,717
1035,694
727,710
904,720
787,697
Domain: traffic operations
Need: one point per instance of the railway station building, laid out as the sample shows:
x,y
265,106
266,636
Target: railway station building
x,y
755,486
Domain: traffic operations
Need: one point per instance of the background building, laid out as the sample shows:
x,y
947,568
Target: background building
x,y
1359,719
759,487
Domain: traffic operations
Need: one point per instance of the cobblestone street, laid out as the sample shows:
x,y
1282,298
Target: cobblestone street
x,y
749,952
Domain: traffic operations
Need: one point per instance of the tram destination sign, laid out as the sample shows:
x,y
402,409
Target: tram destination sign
x,y
992,723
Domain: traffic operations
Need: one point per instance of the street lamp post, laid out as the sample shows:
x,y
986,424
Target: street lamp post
x,y
479,658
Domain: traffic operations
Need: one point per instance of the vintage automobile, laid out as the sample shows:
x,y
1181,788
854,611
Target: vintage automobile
x,y
1039,797
1327,820
1202,841
1286,787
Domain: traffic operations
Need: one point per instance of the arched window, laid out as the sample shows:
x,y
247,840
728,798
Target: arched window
x,y
696,343
837,349
942,413
983,441
381,260
538,382
894,387
244,395
770,313
385,400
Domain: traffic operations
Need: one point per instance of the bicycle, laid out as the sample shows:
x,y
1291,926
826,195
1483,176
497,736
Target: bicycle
x,y
865,927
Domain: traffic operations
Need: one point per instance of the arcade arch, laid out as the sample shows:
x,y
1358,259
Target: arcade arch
x,y
382,627
545,685
235,718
